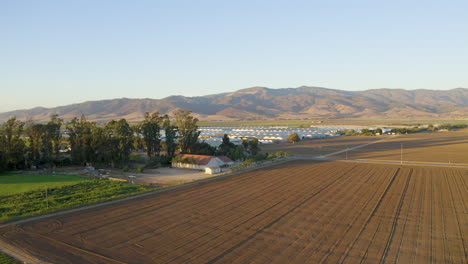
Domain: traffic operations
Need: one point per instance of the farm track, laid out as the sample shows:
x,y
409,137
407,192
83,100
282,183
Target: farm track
x,y
296,212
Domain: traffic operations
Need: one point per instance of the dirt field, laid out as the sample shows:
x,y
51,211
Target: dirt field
x,y
170,176
297,212
317,147
441,147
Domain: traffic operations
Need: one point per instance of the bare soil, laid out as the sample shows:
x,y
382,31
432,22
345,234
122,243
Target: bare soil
x,y
170,176
295,212
439,147
318,147
449,147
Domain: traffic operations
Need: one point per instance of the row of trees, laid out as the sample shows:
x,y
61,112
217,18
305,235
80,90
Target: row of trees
x,y
23,144
26,144
237,152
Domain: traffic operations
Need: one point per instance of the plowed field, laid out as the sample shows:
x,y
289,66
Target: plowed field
x,y
317,147
298,212
441,147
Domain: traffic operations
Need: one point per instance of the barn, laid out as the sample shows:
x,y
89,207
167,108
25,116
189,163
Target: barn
x,y
209,164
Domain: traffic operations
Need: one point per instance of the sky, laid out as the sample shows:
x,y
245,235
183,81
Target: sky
x,y
61,52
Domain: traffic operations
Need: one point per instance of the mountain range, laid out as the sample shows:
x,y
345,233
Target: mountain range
x,y
258,103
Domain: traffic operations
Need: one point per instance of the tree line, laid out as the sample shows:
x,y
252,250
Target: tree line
x,y
79,141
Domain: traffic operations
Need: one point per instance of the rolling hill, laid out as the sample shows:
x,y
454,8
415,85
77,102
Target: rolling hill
x,y
265,103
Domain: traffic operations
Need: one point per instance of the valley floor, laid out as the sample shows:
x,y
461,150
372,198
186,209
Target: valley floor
x,y
296,212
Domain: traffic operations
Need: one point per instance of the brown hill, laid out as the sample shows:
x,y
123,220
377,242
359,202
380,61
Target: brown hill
x,y
264,103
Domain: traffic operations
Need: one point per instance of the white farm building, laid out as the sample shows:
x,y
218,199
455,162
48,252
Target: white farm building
x,y
209,164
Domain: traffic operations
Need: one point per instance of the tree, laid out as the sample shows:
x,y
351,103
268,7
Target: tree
x,y
379,131
171,136
237,153
293,138
251,146
35,133
100,143
187,129
120,139
254,148
81,139
3,165
12,145
54,134
151,131
203,148
226,147
47,138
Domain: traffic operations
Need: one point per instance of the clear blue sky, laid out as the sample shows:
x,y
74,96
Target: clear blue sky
x,y
60,52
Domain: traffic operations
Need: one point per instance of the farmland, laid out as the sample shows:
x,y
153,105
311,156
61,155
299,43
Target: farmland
x,y
442,147
13,183
317,147
41,201
301,211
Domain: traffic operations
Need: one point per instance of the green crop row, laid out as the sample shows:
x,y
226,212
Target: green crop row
x,y
43,201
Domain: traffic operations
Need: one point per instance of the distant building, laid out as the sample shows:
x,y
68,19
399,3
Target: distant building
x,y
209,164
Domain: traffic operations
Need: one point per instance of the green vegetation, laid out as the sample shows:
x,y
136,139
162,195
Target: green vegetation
x,y
26,144
188,130
405,130
293,138
43,201
452,126
262,157
12,183
5,259
203,148
251,146
233,151
188,160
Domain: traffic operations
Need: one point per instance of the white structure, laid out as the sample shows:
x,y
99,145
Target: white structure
x,y
209,164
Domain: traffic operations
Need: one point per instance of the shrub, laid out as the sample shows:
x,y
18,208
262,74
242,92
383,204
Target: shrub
x,y
293,138
136,157
162,160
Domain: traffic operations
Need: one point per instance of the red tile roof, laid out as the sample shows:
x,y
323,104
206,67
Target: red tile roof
x,y
201,159
204,159
224,159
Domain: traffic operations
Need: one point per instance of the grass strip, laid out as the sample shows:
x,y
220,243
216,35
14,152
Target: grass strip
x,y
5,259
43,201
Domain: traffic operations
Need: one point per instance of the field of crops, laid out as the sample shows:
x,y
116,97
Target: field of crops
x,y
12,183
41,201
298,212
